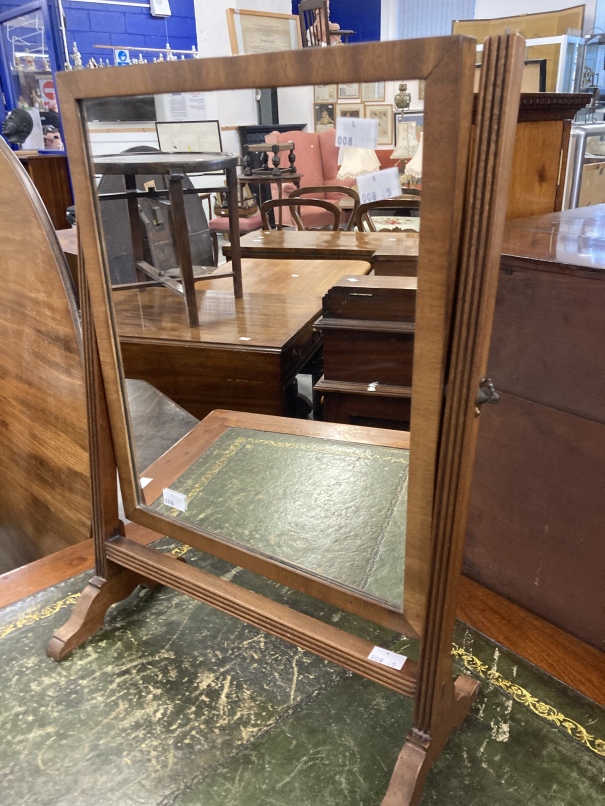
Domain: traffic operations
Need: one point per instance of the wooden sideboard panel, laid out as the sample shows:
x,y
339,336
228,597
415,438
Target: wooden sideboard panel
x,y
537,514
535,176
549,332
197,377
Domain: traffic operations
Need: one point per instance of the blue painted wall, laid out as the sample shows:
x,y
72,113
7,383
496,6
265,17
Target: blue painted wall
x,y
91,24
361,16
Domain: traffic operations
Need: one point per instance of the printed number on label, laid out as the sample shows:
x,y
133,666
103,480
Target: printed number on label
x,y
356,132
379,185
391,659
173,499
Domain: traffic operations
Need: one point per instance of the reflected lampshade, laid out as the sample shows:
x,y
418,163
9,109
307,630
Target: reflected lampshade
x,y
357,161
407,141
414,166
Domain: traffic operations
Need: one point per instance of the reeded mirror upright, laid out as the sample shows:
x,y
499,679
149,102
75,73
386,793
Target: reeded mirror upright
x,y
369,520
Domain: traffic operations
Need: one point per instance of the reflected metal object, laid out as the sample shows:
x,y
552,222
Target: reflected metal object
x,y
577,153
486,394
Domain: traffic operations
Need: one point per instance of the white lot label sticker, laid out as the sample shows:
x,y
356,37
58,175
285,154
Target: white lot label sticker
x,y
379,185
356,132
173,499
145,481
387,658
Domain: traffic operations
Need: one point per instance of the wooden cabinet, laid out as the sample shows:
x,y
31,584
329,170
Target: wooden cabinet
x,y
540,156
50,175
536,531
368,336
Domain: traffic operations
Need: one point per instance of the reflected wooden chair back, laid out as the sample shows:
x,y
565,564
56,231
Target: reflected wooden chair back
x,y
44,473
362,220
294,205
314,23
321,190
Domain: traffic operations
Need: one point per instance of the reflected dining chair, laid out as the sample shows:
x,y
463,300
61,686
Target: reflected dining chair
x,y
293,206
329,191
362,220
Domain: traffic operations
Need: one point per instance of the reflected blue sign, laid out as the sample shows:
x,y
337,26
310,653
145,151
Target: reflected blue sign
x,y
121,57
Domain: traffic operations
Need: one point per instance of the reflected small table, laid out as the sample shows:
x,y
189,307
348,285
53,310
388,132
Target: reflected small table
x,y
268,178
175,166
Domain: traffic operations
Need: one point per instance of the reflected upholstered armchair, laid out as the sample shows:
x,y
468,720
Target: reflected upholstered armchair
x,y
317,161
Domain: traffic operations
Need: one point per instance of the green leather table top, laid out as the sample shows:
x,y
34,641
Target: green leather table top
x,y
335,509
173,703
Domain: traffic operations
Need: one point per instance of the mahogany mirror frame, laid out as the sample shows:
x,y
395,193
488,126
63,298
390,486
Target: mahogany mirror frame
x,y
444,64
463,205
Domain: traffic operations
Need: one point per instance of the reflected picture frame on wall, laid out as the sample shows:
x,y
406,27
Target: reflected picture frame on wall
x,y
348,92
383,113
325,93
324,116
350,111
372,91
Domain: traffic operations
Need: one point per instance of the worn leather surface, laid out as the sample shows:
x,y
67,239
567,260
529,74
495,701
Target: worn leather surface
x,y
173,703
333,508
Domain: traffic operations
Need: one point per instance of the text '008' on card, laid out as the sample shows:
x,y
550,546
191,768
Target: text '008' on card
x,y
379,185
391,659
356,132
175,500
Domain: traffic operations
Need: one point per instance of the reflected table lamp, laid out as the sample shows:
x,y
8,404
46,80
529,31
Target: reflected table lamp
x,y
408,146
357,161
413,169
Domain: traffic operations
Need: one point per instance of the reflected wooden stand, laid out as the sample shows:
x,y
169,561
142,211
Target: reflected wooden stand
x,y
176,166
466,311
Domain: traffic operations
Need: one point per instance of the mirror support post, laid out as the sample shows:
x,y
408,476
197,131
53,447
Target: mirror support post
x,y
111,583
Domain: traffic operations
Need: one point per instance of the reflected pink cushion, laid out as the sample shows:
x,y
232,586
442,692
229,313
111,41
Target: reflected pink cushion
x,y
248,224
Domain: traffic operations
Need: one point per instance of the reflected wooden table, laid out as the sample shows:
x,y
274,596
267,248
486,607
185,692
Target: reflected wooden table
x,y
269,179
393,253
246,352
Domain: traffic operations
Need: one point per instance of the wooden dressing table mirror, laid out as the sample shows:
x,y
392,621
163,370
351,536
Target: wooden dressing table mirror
x,y
371,521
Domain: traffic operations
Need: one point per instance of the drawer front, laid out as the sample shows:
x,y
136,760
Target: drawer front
x,y
370,304
368,357
374,412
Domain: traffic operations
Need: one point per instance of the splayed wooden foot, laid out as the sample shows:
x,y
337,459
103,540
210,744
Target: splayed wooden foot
x,y
89,612
418,753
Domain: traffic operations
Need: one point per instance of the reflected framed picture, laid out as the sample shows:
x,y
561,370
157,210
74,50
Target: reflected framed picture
x,y
189,135
348,91
325,93
324,117
373,91
384,115
350,111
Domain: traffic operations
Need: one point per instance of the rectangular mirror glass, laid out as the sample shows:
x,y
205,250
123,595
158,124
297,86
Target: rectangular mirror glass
x,y
342,518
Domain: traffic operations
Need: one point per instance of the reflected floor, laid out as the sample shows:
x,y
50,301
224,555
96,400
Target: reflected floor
x,y
335,509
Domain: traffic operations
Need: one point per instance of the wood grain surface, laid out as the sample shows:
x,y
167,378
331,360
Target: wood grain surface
x,y
44,474
50,175
322,244
535,531
280,296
